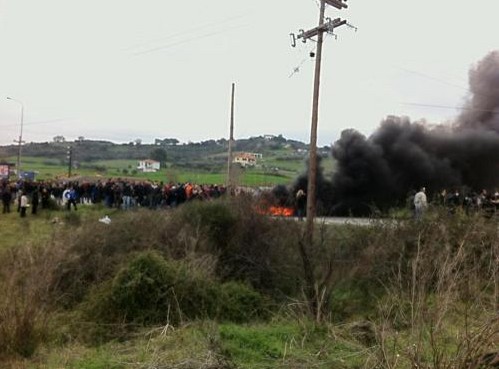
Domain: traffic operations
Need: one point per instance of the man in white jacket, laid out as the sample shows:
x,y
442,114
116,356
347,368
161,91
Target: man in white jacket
x,y
420,203
23,204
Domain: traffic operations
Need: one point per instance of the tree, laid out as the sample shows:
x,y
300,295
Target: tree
x,y
59,139
138,141
159,154
166,141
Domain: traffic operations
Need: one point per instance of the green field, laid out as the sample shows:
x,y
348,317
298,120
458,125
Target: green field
x,y
278,168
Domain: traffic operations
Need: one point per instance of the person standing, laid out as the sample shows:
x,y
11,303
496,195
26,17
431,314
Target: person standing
x,y
23,204
71,197
35,199
420,203
6,199
301,203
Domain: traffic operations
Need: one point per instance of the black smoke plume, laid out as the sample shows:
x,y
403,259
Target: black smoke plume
x,y
400,156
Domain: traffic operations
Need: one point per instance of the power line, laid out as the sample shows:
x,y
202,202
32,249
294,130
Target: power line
x,y
451,107
37,122
421,74
186,32
167,46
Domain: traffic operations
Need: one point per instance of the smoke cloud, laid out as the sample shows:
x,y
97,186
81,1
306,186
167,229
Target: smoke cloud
x,y
401,156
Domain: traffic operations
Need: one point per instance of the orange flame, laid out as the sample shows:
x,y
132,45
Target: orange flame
x,y
281,211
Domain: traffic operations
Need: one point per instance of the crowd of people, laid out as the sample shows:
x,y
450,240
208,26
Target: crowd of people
x,y
485,201
127,194
113,193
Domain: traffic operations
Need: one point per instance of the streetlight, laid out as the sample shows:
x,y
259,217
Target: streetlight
x,y
20,141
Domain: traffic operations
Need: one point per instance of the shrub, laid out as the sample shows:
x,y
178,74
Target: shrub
x,y
240,303
151,290
95,251
142,291
216,219
25,274
249,247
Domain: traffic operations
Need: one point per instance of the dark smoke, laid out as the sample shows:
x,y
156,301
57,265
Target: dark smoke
x,y
400,156
483,107
324,188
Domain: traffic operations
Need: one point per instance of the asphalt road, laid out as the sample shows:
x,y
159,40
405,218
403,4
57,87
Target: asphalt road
x,y
343,221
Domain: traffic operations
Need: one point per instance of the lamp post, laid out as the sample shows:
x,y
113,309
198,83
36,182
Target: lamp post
x,y
70,160
20,141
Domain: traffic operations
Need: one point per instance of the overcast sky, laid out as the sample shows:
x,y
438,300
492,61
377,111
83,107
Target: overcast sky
x,y
125,69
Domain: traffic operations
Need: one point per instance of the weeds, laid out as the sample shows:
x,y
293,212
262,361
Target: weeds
x,y
401,295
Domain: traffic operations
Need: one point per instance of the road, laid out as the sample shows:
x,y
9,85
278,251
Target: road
x,y
344,220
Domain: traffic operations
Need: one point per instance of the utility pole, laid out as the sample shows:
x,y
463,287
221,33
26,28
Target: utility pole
x,y
324,26
20,140
315,289
70,160
230,184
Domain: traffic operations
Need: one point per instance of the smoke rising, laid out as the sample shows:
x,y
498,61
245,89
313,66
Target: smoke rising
x,y
401,156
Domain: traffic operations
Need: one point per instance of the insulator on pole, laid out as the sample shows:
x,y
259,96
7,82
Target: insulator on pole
x,y
338,4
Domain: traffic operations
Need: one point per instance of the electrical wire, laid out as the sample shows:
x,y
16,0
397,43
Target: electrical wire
x,y
185,32
167,46
451,107
421,74
303,61
36,122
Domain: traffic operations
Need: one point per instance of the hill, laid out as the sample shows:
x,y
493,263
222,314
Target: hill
x,y
282,160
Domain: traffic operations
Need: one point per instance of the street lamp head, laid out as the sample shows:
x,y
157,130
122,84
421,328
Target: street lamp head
x,y
16,100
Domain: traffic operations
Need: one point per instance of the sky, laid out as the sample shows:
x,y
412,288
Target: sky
x,y
120,70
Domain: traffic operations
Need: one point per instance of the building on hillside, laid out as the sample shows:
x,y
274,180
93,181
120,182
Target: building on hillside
x,y
246,159
149,166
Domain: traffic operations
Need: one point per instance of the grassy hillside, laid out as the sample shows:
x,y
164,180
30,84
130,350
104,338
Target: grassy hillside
x,y
205,162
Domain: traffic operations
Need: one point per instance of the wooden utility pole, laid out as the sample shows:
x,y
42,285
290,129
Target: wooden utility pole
x,y
20,141
312,173
70,160
315,290
312,166
230,184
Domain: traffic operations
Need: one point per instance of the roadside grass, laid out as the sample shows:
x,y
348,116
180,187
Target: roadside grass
x,y
206,344
288,345
437,297
44,226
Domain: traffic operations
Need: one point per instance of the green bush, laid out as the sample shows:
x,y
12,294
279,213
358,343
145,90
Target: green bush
x,y
142,292
240,303
151,290
216,219
250,248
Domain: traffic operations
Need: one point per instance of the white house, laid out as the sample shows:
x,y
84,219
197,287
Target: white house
x,y
149,166
246,159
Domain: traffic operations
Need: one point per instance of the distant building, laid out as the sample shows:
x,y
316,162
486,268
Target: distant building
x,y
247,159
28,175
149,166
5,170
